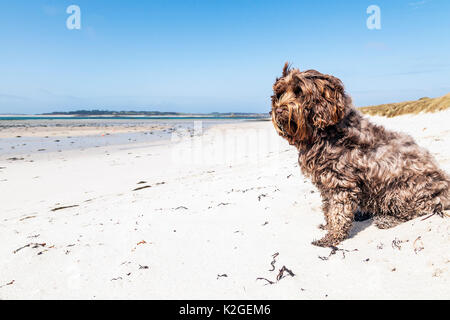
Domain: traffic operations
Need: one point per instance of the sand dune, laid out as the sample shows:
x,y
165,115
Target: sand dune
x,y
423,105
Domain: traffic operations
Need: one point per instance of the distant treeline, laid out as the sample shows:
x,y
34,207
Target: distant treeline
x,y
148,113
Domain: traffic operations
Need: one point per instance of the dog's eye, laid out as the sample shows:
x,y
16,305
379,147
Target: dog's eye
x,y
277,94
297,90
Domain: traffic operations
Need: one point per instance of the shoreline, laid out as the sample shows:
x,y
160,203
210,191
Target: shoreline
x,y
28,137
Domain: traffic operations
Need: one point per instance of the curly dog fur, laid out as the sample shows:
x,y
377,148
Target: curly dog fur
x,y
356,165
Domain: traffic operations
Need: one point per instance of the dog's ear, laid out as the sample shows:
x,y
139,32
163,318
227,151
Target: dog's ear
x,y
329,101
286,69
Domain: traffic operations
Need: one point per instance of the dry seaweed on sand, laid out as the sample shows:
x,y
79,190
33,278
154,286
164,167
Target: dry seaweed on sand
x,y
274,256
32,245
268,281
334,250
65,207
396,243
223,204
263,195
418,245
8,284
281,274
140,188
26,218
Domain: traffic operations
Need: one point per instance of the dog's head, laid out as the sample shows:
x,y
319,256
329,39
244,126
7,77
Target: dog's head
x,y
306,101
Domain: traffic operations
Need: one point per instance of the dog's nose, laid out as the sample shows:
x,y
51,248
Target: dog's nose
x,y
279,110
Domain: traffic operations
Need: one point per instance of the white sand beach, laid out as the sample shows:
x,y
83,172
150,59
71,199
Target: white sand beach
x,y
213,216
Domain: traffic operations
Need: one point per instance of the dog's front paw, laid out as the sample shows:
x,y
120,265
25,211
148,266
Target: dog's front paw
x,y
327,241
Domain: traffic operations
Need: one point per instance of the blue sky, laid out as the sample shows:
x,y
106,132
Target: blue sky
x,y
213,55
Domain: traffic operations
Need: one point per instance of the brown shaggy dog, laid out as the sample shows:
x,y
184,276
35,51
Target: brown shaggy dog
x,y
355,164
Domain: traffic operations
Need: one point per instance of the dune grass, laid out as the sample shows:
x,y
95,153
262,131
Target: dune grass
x,y
409,107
